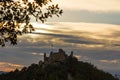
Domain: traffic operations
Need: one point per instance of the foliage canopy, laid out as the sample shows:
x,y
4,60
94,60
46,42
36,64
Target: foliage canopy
x,y
13,13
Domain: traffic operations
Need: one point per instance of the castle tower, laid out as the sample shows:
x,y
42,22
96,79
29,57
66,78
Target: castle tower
x,y
61,51
71,55
45,57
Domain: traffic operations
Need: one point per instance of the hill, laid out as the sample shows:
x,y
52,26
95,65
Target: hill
x,y
59,66
1,72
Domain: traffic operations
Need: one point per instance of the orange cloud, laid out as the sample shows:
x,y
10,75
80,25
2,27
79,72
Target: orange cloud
x,y
109,61
5,66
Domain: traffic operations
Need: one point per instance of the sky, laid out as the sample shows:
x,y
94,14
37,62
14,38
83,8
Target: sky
x,y
89,28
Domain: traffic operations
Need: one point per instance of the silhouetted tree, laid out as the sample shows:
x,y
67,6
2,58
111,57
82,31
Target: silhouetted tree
x,y
13,13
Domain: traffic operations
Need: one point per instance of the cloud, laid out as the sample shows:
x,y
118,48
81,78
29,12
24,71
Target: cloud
x,y
37,54
90,42
80,34
88,16
5,66
78,57
91,5
91,11
34,53
109,61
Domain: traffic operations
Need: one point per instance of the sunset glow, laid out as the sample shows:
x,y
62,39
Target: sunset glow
x,y
89,28
5,66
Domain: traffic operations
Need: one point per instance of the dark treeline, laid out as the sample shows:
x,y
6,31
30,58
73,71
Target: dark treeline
x,y
69,69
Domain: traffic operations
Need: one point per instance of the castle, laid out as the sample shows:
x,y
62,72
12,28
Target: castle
x,y
57,56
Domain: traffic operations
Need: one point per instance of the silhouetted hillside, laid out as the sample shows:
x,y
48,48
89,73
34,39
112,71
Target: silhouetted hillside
x,y
58,66
1,72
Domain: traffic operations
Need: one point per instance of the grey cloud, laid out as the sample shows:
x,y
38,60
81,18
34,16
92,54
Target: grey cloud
x,y
75,39
57,35
82,40
18,56
89,16
67,38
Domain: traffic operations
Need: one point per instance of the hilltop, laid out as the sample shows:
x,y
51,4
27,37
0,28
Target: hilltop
x,y
58,66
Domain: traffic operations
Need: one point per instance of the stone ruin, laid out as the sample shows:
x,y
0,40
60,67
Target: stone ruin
x,y
57,56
